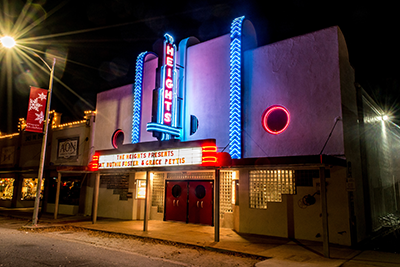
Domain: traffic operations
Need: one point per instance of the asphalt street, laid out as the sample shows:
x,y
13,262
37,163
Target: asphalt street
x,y
20,248
72,247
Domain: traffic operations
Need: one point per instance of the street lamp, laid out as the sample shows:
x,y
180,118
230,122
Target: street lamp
x,y
9,42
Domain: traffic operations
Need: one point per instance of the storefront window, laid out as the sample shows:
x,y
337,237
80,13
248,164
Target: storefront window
x,y
140,189
269,186
226,191
157,193
70,189
6,188
29,187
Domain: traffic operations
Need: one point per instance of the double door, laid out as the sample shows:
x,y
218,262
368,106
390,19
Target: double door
x,y
189,201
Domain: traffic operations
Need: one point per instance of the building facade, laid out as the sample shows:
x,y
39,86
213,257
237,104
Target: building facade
x,y
288,114
273,140
69,150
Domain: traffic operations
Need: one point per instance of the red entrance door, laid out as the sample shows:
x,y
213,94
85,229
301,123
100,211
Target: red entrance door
x,y
201,202
176,201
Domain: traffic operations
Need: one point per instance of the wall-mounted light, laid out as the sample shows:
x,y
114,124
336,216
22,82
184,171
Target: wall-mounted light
x,y
308,200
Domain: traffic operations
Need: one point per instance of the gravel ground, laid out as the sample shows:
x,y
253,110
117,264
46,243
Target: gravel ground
x,y
188,255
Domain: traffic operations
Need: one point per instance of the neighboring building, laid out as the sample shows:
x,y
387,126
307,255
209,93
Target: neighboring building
x,y
71,150
288,113
20,154
70,146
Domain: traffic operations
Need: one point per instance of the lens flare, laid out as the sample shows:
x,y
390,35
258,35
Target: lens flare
x,y
8,42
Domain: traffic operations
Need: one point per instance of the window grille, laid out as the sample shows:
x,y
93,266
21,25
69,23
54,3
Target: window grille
x,y
269,185
225,193
157,194
118,183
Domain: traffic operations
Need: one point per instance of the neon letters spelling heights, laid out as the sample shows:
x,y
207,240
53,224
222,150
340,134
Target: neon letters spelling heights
x,y
167,105
169,83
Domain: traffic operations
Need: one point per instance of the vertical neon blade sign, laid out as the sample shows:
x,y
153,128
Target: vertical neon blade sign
x,y
137,103
235,102
169,64
164,126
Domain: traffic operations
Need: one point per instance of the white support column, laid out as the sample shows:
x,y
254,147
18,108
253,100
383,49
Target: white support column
x,y
95,197
147,203
57,195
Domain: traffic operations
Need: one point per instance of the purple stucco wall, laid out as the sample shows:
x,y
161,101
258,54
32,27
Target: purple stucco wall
x,y
303,75
207,89
114,111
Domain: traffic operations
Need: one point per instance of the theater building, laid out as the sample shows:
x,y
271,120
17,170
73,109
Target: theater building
x,y
268,140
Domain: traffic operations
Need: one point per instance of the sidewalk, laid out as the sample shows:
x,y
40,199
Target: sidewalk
x,y
278,251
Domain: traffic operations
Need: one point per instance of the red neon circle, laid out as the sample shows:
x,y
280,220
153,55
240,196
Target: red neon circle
x,y
117,138
267,115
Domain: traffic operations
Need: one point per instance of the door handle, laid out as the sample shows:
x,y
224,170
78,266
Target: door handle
x,y
197,203
177,203
202,204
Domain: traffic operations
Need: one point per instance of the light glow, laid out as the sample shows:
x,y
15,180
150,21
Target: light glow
x,y
8,135
8,42
115,136
168,82
140,189
94,164
268,112
137,102
152,126
233,189
235,104
167,102
209,155
68,124
157,158
209,149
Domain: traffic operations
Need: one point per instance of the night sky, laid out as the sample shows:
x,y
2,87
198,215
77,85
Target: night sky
x,y
101,40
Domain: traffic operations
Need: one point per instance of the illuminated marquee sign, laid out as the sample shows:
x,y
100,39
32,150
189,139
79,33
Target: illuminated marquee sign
x,y
160,158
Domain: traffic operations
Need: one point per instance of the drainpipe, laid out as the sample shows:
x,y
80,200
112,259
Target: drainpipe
x,y
324,208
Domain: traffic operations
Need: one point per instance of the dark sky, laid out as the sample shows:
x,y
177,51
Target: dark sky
x,y
114,32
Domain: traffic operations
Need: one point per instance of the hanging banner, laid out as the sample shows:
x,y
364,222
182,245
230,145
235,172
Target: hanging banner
x,y
36,110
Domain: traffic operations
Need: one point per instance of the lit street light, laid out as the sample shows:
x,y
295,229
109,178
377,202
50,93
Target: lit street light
x,y
9,42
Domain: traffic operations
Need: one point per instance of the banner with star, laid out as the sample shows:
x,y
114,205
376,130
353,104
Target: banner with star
x,y
36,110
